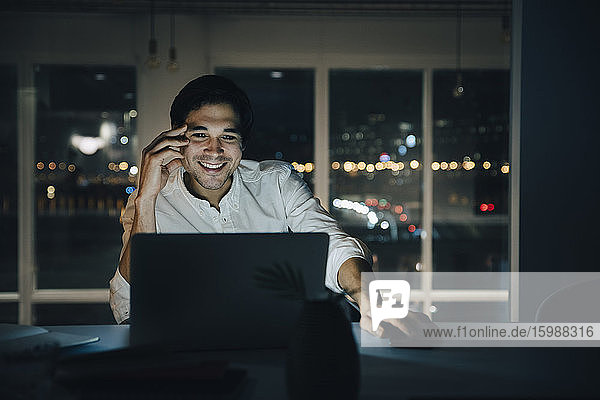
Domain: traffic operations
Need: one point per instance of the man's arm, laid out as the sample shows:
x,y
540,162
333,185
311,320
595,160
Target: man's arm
x,y
159,159
306,215
347,256
144,221
349,277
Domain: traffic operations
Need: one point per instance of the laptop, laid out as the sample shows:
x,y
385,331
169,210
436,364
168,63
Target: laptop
x,y
223,291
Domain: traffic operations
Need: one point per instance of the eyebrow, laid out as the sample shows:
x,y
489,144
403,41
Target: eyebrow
x,y
203,128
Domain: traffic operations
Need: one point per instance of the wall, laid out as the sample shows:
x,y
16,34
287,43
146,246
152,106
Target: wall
x,y
559,136
204,42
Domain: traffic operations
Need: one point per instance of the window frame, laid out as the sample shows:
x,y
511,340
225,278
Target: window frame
x,y
28,294
322,65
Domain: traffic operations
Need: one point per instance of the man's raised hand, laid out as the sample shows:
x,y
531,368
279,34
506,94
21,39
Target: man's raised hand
x,y
159,159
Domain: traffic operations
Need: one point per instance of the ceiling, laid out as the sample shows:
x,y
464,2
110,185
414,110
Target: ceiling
x,y
380,8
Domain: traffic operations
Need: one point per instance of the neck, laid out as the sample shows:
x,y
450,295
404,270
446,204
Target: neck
x,y
213,196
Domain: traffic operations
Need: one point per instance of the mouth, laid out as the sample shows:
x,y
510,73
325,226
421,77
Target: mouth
x,y
210,167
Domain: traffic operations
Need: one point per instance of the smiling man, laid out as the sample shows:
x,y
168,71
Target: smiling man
x,y
193,179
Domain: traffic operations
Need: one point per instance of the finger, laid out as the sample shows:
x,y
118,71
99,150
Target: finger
x,y
172,143
366,324
413,324
165,156
393,332
171,133
422,317
396,325
176,131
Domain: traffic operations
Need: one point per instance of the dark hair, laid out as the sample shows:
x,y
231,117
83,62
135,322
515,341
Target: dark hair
x,y
211,90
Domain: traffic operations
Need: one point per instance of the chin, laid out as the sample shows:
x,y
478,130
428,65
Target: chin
x,y
210,183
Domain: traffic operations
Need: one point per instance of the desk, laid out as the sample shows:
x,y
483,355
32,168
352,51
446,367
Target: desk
x,y
396,373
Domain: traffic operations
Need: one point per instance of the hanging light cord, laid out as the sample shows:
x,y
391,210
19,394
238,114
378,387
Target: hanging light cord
x,y
152,30
458,38
172,30
172,65
459,88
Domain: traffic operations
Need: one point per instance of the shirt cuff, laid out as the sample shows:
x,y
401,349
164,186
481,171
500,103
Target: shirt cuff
x,y
339,255
119,297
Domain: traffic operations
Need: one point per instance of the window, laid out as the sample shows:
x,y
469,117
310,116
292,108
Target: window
x,y
471,171
73,314
376,162
8,194
84,168
283,105
84,171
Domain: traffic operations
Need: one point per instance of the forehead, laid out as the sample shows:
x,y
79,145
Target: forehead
x,y
213,114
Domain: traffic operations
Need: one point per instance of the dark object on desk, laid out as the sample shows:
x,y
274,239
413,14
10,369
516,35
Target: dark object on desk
x,y
217,305
322,360
26,339
148,372
27,358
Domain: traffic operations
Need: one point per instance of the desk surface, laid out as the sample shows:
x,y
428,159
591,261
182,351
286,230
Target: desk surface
x,y
396,373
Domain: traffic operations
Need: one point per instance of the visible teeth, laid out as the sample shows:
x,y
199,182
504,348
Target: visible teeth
x,y
212,166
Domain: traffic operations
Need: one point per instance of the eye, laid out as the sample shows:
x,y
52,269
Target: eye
x,y
230,138
198,134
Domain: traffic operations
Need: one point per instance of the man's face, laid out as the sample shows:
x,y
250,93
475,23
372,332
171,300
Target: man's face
x,y
215,147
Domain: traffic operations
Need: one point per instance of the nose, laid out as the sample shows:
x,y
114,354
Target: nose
x,y
213,146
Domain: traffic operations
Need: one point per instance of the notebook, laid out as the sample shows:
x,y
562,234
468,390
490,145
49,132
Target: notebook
x,y
27,339
223,291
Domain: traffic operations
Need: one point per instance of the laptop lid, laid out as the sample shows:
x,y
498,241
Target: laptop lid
x,y
223,291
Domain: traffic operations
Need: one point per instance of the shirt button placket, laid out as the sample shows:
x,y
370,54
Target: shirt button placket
x,y
226,223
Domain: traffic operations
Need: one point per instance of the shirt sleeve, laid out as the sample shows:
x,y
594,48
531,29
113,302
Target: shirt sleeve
x,y
119,297
305,214
119,287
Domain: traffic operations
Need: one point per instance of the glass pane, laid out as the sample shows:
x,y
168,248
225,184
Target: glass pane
x,y
283,104
85,134
471,171
8,175
375,152
9,313
73,314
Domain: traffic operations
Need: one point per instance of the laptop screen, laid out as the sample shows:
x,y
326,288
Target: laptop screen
x,y
217,291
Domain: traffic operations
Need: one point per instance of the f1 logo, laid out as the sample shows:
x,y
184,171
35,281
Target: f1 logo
x,y
388,299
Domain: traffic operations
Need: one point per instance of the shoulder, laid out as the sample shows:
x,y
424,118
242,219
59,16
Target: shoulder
x,y
251,170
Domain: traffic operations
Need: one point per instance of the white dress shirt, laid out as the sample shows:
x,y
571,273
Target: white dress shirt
x,y
267,196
